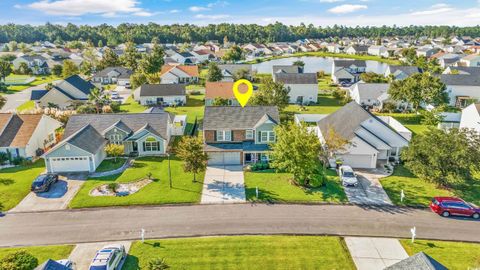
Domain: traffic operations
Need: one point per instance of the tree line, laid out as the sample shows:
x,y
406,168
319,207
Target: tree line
x,y
105,34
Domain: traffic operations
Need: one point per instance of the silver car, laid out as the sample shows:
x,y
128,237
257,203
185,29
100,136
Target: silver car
x,y
108,258
348,176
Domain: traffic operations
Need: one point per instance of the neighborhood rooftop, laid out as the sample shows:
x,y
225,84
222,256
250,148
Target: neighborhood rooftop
x,y
296,78
236,117
161,90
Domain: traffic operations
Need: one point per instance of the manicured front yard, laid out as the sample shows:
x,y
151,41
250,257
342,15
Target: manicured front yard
x,y
110,165
38,80
453,255
27,106
15,183
326,104
419,192
184,189
277,187
42,253
244,252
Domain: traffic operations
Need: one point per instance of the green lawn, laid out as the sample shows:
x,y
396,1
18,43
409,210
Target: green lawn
x,y
419,192
158,192
244,252
277,187
42,253
38,80
110,165
326,104
453,255
27,106
131,106
325,83
15,183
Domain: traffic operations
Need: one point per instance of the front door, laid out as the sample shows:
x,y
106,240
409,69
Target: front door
x,y
135,146
300,100
159,100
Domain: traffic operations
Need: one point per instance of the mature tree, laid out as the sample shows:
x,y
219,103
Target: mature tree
x,y
5,70
299,63
69,69
219,101
3,100
296,151
214,73
234,54
418,89
109,59
334,143
3,88
86,68
372,77
137,80
8,57
114,150
152,63
158,264
443,157
19,260
130,56
98,99
100,43
57,70
271,93
23,69
242,73
190,150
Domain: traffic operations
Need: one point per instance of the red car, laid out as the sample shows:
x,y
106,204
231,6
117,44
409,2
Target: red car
x,y
446,206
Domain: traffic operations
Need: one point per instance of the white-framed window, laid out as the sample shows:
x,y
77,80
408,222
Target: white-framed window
x,y
249,134
267,136
115,138
224,135
151,145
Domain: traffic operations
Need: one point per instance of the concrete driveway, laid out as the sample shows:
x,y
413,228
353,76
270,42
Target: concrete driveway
x,y
124,93
223,184
369,191
82,255
375,253
17,99
57,198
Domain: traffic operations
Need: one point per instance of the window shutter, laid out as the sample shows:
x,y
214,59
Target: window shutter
x,y
231,135
259,136
144,146
215,135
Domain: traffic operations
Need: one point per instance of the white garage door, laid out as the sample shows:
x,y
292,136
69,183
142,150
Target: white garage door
x,y
359,161
70,164
227,158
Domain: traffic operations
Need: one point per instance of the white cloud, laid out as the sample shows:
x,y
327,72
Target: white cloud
x,y
174,11
212,17
347,8
106,8
435,9
198,9
330,1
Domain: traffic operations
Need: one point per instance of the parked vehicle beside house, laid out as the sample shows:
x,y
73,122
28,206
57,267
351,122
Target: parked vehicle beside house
x,y
43,182
348,176
108,258
451,206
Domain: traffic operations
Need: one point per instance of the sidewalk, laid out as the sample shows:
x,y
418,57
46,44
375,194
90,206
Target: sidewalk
x,y
375,253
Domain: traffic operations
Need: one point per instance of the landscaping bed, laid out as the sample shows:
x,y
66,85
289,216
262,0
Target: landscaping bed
x,y
42,253
243,252
120,189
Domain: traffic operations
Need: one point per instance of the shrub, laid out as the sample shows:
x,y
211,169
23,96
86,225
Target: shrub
x,y
3,158
157,264
113,187
18,161
260,166
19,260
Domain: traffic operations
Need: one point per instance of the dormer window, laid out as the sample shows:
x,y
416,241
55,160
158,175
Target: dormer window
x,y
224,135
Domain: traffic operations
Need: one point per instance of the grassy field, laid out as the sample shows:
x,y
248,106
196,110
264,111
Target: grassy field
x,y
184,189
453,255
326,104
42,253
277,187
27,106
327,54
325,83
244,252
110,165
38,80
419,192
131,106
15,183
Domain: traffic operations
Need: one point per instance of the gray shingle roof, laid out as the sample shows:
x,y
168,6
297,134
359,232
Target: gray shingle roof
x,y
236,117
371,90
155,90
296,78
286,69
125,73
88,139
460,79
347,63
79,83
467,70
233,68
409,70
419,261
345,120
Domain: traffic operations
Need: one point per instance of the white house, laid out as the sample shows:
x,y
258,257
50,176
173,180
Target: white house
x,y
334,48
161,94
462,89
357,49
303,86
371,139
347,70
378,51
372,95
178,74
472,60
401,72
471,117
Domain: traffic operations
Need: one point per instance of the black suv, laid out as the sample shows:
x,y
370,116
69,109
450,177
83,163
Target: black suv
x,y
43,182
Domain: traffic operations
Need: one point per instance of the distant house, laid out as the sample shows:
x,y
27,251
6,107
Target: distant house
x,y
426,51
63,94
303,86
113,75
222,90
371,139
449,120
38,64
204,55
184,58
178,74
471,117
334,48
472,60
236,136
401,72
86,135
347,71
462,70
378,51
419,261
161,94
229,71
27,135
369,95
462,89
286,69
357,49
258,49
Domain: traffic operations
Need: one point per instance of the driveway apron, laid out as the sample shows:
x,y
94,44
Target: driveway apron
x,y
223,184
375,253
369,191
82,255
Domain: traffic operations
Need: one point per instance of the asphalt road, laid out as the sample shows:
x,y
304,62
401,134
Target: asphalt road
x,y
78,226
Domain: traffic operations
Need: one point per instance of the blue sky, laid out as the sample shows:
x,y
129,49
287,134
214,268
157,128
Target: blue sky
x,y
318,12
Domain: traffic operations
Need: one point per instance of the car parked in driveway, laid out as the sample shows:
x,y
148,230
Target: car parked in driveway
x,y
43,182
108,258
348,176
451,206
114,95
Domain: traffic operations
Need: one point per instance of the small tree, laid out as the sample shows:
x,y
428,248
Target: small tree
x,y
299,63
214,73
333,144
158,264
296,151
137,80
115,150
19,260
69,69
57,70
271,93
219,101
190,150
5,70
234,54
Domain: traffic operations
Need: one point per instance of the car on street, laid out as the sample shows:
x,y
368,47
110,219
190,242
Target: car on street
x,y
348,176
43,182
451,206
108,258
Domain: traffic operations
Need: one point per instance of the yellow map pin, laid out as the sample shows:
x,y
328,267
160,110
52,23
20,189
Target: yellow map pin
x,y
243,97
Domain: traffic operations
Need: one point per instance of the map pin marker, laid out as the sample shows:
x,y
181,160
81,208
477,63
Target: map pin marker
x,y
243,97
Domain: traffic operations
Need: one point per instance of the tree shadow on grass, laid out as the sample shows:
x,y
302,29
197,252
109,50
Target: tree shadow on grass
x,y
131,263
6,181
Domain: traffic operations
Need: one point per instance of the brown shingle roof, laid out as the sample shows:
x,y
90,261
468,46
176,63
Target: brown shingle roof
x,y
19,129
190,70
221,89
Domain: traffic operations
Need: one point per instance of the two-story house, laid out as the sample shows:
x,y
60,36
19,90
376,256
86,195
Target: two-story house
x,y
86,135
230,72
236,136
113,75
37,63
347,71
303,87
